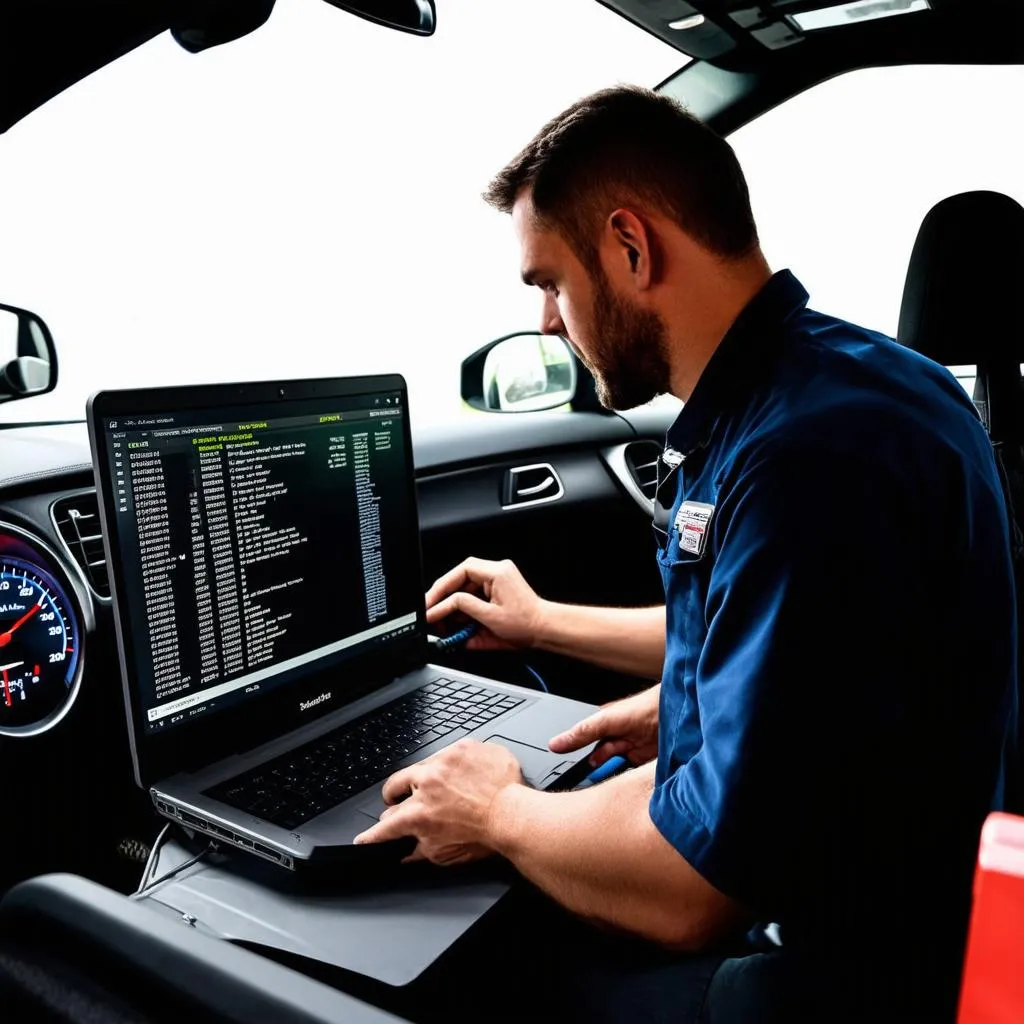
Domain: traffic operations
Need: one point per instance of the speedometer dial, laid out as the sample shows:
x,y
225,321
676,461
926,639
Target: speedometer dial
x,y
39,647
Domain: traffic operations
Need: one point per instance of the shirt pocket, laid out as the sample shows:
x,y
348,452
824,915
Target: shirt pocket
x,y
671,554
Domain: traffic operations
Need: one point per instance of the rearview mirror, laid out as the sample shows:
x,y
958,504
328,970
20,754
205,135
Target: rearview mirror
x,y
28,359
416,16
520,373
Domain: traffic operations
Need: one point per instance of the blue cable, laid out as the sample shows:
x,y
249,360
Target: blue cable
x,y
607,770
463,636
457,639
536,675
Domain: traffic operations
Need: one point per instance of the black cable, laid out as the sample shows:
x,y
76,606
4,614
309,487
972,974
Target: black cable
x,y
147,886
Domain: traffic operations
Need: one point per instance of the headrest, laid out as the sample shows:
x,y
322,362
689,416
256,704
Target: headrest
x,y
961,301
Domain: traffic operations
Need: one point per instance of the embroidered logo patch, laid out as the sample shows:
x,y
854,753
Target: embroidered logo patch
x,y
692,522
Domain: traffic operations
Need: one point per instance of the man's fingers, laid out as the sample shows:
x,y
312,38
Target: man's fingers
x,y
392,826
610,749
472,570
435,595
400,784
588,731
485,640
454,579
465,602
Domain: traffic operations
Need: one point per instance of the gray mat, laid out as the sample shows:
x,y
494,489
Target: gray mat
x,y
392,936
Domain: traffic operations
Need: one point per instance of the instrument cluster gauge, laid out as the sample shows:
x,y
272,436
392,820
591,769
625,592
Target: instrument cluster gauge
x,y
41,636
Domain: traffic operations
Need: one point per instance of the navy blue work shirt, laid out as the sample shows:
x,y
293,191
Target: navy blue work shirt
x,y
840,660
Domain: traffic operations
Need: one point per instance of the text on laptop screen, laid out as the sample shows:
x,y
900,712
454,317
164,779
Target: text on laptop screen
x,y
258,549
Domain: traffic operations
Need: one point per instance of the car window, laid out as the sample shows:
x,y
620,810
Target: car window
x,y
303,201
842,175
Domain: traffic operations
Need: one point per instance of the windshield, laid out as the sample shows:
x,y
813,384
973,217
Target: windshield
x,y
304,201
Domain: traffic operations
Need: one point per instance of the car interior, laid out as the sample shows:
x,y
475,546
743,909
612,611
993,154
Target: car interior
x,y
540,474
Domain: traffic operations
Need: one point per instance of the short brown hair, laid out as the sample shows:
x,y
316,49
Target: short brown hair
x,y
629,143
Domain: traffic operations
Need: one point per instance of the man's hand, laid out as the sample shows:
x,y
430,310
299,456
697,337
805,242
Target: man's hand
x,y
627,727
509,612
446,802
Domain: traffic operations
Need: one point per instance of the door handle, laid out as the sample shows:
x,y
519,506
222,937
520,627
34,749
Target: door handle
x,y
525,492
531,485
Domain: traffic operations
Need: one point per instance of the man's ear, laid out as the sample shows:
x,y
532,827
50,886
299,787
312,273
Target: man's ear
x,y
633,251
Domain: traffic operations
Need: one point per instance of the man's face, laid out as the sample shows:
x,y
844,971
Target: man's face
x,y
623,345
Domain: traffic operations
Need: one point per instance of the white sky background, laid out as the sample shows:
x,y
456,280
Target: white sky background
x,y
842,176
305,201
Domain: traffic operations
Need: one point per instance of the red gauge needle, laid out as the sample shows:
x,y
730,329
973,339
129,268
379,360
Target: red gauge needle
x,y
7,689
5,638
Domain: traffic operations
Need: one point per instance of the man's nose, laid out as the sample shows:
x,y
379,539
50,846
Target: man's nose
x,y
550,318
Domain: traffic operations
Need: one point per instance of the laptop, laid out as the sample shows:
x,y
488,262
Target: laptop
x,y
264,556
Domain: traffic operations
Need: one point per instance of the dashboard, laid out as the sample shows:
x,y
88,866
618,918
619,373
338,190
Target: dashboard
x,y
42,636
51,576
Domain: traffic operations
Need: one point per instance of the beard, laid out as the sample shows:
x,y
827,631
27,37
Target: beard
x,y
628,351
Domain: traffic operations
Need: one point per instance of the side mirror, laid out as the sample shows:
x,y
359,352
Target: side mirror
x,y
28,359
520,373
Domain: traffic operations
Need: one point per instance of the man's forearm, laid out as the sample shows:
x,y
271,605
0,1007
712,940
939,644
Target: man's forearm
x,y
630,640
598,853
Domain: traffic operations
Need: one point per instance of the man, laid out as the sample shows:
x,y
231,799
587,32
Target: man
x,y
836,652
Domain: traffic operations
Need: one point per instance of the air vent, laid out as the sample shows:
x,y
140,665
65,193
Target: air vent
x,y
642,462
78,523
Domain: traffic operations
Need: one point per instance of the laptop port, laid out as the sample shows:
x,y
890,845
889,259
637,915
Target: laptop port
x,y
191,819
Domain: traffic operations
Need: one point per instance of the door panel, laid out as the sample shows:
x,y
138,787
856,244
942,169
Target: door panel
x,y
593,545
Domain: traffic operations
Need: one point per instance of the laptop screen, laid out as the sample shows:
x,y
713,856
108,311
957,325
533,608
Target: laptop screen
x,y
257,544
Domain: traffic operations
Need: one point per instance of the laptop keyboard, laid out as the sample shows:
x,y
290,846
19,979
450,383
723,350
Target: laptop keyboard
x,y
325,772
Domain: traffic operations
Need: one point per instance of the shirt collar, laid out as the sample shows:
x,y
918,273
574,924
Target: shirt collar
x,y
740,360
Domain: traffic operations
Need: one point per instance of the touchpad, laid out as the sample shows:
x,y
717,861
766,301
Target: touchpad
x,y
373,805
536,762
540,768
